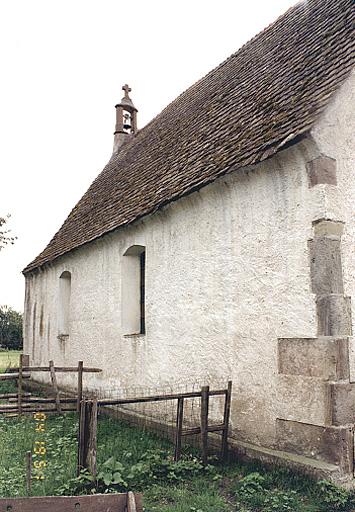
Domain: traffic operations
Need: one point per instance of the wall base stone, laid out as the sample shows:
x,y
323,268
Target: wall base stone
x,y
331,444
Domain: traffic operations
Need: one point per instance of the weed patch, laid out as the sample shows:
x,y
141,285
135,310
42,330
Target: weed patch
x,y
131,458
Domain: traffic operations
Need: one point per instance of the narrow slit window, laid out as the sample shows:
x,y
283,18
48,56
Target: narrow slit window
x,y
142,292
64,303
133,291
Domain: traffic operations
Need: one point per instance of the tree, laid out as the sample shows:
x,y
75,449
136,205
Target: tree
x,y
10,328
5,237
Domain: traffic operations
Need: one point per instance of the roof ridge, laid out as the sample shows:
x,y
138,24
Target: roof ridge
x,y
267,93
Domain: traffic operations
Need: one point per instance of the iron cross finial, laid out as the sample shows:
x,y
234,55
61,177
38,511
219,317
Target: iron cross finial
x,y
126,90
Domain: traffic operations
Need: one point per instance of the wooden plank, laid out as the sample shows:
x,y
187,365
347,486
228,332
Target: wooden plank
x,y
226,416
58,369
25,360
7,396
81,438
139,503
197,430
90,461
87,437
55,385
134,502
19,385
80,384
40,400
33,407
13,376
28,473
178,433
155,398
14,412
204,423
93,503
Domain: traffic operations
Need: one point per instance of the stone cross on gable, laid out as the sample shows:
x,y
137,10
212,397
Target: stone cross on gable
x,y
126,90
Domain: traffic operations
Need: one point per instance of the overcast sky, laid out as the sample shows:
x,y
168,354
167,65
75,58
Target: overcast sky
x,y
62,67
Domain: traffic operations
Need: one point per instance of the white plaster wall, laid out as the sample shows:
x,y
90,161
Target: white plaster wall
x,y
226,274
334,135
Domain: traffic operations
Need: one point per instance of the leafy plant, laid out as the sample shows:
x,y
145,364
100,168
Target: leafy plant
x,y
333,495
5,237
253,490
277,500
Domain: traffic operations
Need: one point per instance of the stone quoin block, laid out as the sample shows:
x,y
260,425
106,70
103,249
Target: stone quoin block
x,y
332,444
303,399
334,315
326,267
326,358
325,227
342,402
322,170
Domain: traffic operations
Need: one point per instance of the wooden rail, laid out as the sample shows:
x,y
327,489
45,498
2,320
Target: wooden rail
x,y
156,398
24,372
13,376
58,369
88,423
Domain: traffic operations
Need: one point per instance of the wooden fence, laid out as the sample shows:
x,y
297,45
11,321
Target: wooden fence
x,y
87,445
22,402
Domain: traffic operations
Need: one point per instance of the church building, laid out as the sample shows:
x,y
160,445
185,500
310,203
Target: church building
x,y
218,243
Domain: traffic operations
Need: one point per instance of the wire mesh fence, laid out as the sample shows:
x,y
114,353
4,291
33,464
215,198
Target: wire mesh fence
x,y
40,443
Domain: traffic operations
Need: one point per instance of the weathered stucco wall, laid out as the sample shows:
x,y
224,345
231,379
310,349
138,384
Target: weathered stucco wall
x,y
227,274
335,137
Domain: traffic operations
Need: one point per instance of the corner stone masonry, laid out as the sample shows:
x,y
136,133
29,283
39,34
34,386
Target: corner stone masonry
x,y
325,359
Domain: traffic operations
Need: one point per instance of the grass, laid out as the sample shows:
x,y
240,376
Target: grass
x,y
185,487
9,358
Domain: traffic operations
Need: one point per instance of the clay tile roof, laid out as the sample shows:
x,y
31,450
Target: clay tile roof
x,y
266,94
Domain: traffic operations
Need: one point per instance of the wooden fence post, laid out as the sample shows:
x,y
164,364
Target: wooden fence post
x,y
80,384
25,360
204,423
92,437
55,385
19,385
178,434
28,473
131,502
81,434
87,436
227,408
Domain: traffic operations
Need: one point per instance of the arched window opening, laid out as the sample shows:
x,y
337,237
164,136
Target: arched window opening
x,y
64,303
133,290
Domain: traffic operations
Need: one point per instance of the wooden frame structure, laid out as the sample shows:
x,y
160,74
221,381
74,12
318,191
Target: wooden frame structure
x,y
125,502
22,402
87,445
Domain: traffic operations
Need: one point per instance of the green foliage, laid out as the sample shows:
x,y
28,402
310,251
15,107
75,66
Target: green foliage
x,y
252,490
131,458
250,484
277,500
17,436
154,466
10,328
331,495
5,237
